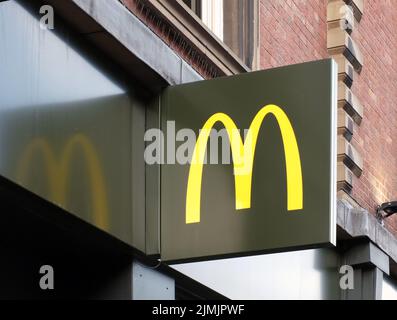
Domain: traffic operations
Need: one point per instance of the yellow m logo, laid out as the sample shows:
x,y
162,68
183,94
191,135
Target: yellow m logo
x,y
243,154
58,173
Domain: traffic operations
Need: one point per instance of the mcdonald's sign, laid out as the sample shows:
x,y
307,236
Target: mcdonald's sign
x,y
243,180
279,191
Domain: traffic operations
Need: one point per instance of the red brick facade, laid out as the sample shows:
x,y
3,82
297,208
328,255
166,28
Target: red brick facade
x,y
296,31
376,88
292,32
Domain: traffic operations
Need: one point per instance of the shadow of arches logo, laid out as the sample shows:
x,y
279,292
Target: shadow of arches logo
x,y
57,173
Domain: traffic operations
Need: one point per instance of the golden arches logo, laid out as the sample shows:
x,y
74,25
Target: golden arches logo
x,y
58,173
243,154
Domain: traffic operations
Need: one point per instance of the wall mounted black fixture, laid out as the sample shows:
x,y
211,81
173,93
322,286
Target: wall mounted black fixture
x,y
386,210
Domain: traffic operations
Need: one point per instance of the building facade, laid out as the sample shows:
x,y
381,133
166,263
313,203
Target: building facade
x,y
111,59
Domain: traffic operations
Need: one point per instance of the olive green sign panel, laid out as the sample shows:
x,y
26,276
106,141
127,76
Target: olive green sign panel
x,y
279,192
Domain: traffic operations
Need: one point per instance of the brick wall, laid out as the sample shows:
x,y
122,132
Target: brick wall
x,y
376,88
294,31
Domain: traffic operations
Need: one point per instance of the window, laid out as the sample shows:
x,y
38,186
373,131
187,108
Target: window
x,y
234,22
194,5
